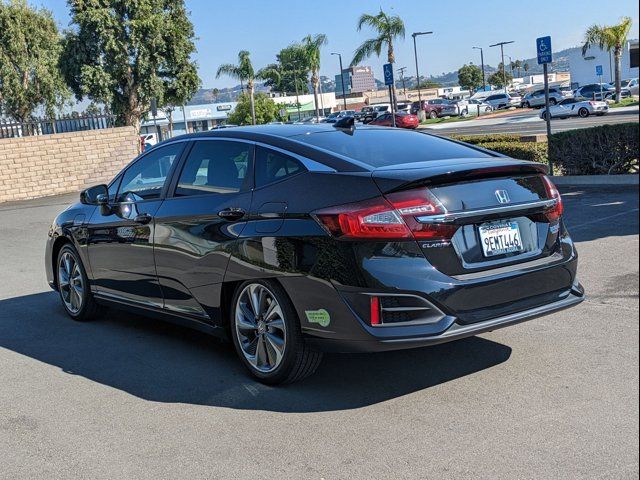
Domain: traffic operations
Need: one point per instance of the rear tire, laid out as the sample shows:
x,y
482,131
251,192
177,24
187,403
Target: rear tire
x,y
73,286
266,333
552,101
583,113
433,115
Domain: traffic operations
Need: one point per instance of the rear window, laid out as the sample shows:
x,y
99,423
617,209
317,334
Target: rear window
x,y
381,147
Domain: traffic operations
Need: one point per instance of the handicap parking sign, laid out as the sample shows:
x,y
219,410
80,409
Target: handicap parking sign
x,y
387,68
543,45
599,70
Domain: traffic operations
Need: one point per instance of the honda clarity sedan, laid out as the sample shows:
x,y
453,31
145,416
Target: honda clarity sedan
x,y
295,240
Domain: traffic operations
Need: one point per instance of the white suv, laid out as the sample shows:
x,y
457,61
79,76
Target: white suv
x,y
502,100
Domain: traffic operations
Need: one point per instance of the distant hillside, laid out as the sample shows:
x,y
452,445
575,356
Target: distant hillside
x,y
560,64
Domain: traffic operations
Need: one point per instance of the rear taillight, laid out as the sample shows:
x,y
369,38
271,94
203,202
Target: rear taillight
x,y
396,217
555,212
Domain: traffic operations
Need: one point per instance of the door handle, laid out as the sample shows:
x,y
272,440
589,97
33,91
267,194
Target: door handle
x,y
143,218
231,214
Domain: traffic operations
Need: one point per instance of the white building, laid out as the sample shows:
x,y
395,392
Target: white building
x,y
583,68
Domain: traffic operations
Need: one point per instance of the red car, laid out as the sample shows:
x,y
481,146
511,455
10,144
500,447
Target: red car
x,y
403,120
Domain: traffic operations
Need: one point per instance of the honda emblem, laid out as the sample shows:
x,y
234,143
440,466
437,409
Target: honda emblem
x,y
503,196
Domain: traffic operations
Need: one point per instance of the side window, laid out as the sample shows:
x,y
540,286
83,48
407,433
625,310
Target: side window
x,y
272,166
113,188
216,166
145,178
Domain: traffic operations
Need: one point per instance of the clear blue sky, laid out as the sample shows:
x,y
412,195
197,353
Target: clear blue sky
x,y
264,27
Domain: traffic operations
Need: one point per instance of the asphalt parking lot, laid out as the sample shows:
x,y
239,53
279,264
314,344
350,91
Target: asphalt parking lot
x,y
129,397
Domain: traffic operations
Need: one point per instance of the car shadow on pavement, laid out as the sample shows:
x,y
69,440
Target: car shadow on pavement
x,y
593,212
161,362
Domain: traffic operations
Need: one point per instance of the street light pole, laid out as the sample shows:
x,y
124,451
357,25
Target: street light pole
x,y
484,82
504,72
344,92
415,54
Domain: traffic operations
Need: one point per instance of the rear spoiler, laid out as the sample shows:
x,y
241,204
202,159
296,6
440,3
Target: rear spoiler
x,y
401,177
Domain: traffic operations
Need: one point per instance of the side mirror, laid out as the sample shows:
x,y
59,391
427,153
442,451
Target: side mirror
x,y
96,195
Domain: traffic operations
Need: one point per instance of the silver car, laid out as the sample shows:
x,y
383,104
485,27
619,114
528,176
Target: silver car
x,y
503,100
572,107
536,98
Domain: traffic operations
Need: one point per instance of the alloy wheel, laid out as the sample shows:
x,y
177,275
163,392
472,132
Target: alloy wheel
x,y
70,282
260,327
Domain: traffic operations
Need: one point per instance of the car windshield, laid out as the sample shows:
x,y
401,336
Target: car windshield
x,y
381,148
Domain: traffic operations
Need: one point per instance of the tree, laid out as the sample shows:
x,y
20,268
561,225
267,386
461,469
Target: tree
x,y
124,54
610,38
311,47
388,29
497,79
518,64
470,77
526,67
244,72
264,109
290,73
30,47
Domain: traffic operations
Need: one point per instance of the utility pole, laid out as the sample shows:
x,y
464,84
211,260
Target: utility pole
x,y
504,72
484,81
344,91
404,86
415,54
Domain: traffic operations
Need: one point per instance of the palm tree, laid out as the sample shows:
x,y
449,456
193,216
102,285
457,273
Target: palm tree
x,y
609,38
388,29
242,71
311,47
519,67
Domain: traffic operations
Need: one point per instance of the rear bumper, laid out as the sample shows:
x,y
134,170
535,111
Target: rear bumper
x,y
456,331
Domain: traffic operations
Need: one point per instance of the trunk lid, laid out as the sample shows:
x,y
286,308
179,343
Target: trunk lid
x,y
498,208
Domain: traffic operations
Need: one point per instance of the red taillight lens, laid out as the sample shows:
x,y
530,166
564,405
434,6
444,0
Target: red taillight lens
x,y
374,317
396,217
554,213
373,218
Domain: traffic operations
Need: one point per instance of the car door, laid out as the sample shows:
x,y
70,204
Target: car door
x,y
205,211
120,235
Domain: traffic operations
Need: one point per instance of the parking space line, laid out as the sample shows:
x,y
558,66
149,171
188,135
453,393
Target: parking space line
x,y
635,210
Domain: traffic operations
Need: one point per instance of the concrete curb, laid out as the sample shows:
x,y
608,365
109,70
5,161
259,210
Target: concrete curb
x,y
597,180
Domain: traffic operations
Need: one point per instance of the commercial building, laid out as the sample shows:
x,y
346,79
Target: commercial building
x,y
583,68
304,105
357,79
190,119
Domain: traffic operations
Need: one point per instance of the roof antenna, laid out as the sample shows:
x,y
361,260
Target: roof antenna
x,y
346,124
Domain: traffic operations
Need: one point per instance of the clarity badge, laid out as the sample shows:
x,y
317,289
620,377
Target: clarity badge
x,y
320,317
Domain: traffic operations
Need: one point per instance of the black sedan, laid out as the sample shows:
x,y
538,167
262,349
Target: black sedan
x,y
294,240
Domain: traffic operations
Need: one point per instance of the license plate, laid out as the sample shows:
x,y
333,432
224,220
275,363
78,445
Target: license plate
x,y
500,238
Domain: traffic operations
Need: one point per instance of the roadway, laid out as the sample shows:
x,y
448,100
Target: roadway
x,y
528,123
132,397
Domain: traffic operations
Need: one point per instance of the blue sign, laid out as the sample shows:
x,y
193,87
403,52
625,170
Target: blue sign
x,y
388,73
543,45
599,70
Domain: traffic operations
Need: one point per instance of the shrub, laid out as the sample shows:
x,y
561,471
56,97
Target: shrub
x,y
603,150
534,152
480,139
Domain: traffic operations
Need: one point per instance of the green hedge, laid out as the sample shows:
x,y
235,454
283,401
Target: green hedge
x,y
479,139
534,152
509,145
603,150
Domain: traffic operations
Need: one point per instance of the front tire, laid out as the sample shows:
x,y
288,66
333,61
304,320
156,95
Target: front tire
x,y
73,286
267,336
433,115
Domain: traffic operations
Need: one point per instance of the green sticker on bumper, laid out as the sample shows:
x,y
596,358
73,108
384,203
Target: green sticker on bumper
x,y
321,317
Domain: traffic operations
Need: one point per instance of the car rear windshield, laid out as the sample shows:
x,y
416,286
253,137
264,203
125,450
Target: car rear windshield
x,y
382,147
